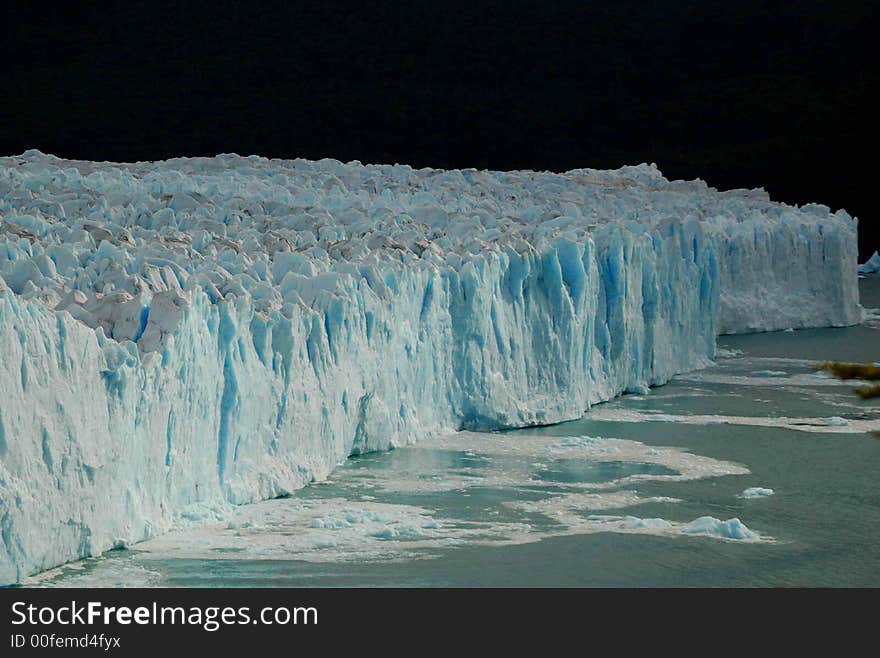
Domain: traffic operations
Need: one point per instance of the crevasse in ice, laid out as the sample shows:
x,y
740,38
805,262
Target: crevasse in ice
x,y
180,336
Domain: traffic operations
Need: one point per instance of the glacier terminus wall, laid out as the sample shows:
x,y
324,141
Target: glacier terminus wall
x,y
177,337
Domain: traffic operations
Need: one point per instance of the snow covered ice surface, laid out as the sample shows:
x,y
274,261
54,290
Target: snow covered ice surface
x,y
183,336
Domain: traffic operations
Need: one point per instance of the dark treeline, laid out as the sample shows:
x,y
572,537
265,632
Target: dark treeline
x,y
741,94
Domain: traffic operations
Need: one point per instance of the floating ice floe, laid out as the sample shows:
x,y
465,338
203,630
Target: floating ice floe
x,y
709,525
833,424
348,526
756,492
732,529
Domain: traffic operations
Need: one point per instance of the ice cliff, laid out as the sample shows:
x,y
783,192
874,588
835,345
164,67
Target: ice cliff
x,y
179,336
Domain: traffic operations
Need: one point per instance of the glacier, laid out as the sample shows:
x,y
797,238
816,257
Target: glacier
x,y
180,337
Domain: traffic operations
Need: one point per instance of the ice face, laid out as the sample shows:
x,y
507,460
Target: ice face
x,y
182,336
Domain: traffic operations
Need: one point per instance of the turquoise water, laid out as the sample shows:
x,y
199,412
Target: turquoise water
x,y
602,501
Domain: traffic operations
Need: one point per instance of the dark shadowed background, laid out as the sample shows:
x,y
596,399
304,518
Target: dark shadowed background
x,y
741,94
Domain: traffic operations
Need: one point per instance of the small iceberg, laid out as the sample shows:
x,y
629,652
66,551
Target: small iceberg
x,y
581,441
756,492
709,525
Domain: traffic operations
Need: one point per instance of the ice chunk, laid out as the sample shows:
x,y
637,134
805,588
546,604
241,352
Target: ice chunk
x,y
709,525
631,522
756,492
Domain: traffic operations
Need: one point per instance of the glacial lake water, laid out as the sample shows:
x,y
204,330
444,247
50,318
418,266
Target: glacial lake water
x,y
618,498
